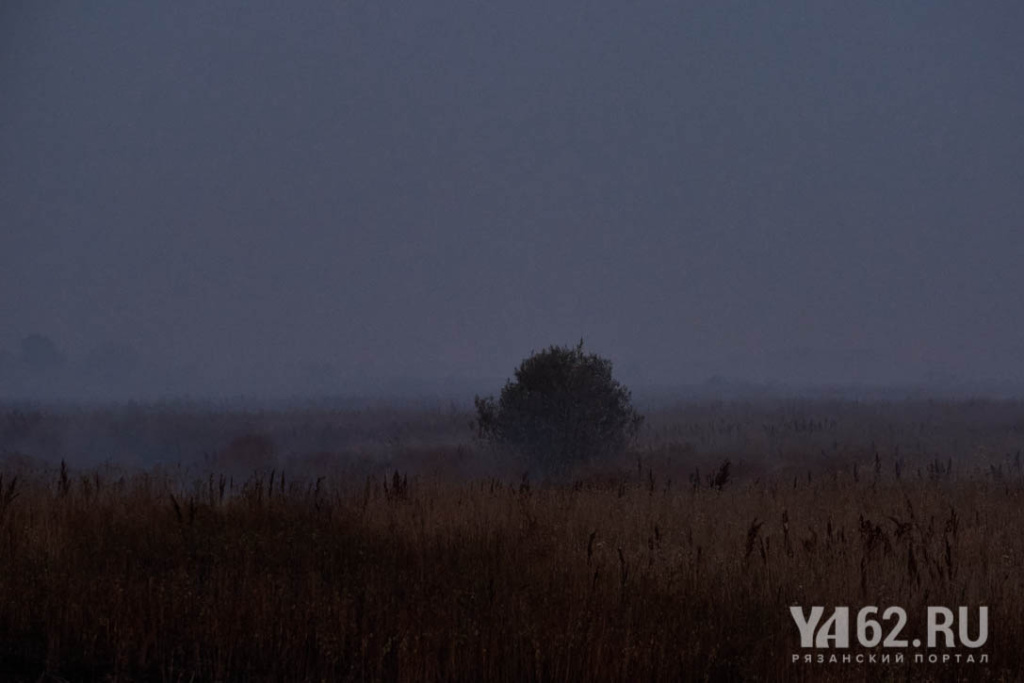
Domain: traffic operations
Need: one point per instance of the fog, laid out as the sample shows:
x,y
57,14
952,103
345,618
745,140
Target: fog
x,y
271,199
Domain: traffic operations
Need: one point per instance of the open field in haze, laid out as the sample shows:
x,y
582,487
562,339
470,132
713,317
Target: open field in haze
x,y
386,545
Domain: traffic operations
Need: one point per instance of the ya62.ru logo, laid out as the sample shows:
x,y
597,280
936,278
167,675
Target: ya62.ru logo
x,y
944,628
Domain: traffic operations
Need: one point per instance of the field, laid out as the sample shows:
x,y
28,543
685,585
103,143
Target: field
x,y
181,544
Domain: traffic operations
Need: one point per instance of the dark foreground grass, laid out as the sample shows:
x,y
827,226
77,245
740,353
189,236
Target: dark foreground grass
x,y
139,578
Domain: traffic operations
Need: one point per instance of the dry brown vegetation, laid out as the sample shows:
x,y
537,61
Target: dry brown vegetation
x,y
641,570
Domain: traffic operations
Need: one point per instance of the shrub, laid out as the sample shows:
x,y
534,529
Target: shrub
x,y
562,409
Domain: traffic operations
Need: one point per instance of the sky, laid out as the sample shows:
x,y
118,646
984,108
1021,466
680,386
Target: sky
x,y
266,197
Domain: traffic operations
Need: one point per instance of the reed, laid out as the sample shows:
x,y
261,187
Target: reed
x,y
405,578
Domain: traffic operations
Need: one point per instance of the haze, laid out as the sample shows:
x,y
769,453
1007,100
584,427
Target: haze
x,y
276,198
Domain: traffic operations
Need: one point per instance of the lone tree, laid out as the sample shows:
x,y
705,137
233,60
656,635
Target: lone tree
x,y
563,408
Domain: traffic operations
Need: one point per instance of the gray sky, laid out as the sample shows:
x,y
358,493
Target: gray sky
x,y
805,191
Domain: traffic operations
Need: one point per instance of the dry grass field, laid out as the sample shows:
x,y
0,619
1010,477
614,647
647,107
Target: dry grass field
x,y
431,560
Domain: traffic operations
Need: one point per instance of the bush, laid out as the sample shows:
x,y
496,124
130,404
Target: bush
x,y
563,408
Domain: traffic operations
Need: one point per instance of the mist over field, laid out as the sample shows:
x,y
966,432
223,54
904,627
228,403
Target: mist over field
x,y
350,198
448,341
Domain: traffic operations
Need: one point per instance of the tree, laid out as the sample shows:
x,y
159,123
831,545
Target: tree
x,y
563,408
